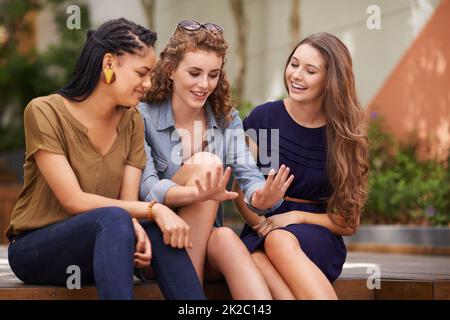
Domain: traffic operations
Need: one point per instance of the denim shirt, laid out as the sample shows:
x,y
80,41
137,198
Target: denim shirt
x,y
164,153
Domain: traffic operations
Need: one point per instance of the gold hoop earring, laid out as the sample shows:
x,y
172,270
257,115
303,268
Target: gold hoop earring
x,y
108,75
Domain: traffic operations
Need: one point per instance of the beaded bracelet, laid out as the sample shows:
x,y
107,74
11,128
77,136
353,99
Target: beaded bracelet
x,y
150,209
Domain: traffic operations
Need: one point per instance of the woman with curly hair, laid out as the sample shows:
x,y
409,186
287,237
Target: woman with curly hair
x,y
299,247
192,132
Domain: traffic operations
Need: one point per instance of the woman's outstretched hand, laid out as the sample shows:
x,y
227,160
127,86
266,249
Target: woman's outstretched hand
x,y
273,190
214,188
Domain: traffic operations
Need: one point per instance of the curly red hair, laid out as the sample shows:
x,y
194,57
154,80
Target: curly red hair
x,y
181,42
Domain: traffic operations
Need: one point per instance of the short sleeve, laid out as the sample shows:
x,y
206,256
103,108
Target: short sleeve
x,y
136,157
42,129
249,122
252,123
246,123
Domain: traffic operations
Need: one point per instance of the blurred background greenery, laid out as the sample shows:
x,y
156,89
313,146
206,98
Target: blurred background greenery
x,y
26,73
403,188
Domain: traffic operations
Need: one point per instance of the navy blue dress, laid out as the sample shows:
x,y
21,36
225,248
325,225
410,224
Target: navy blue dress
x,y
303,150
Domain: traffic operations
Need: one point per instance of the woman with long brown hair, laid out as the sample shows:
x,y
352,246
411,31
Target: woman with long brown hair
x,y
299,246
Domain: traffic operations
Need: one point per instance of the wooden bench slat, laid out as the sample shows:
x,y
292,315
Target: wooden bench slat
x,y
405,290
442,290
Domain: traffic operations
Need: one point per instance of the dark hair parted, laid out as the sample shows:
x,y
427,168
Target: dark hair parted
x,y
181,42
346,138
117,37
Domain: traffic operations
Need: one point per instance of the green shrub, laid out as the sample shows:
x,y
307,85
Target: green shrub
x,y
403,189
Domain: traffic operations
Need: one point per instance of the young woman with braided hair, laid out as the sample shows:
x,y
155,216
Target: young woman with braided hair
x,y
84,156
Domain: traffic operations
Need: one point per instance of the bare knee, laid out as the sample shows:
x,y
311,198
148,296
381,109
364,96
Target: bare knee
x,y
222,236
280,241
199,165
204,158
224,240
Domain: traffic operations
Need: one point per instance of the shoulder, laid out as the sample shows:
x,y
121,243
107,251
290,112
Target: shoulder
x,y
234,114
44,108
135,116
143,107
151,108
266,108
234,120
262,114
50,102
149,111
256,111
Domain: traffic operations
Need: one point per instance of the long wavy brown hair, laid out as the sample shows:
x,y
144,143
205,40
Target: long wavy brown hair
x,y
346,135
181,42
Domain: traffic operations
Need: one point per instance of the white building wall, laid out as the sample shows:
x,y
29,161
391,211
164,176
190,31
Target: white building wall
x,y
103,10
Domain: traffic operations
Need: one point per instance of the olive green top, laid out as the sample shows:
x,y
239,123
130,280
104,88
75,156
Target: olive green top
x,y
50,126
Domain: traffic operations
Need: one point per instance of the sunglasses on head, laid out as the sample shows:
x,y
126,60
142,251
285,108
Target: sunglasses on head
x,y
191,25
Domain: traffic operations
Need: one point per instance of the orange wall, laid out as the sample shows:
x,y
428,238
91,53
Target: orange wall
x,y
415,100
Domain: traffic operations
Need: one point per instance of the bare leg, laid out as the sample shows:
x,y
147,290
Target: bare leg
x,y
304,278
227,255
277,286
199,216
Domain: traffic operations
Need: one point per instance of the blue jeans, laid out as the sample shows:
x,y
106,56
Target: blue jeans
x,y
101,243
173,268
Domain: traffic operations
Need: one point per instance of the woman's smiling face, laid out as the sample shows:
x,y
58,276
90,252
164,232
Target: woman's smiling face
x,y
133,76
305,74
196,77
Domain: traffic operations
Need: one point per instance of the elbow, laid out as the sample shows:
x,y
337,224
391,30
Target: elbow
x,y
345,232
349,232
73,204
146,187
352,230
71,207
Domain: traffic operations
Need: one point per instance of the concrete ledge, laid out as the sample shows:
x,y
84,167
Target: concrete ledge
x,y
401,239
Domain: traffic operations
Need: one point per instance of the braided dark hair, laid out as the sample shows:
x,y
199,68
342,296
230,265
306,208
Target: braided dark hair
x,y
115,36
